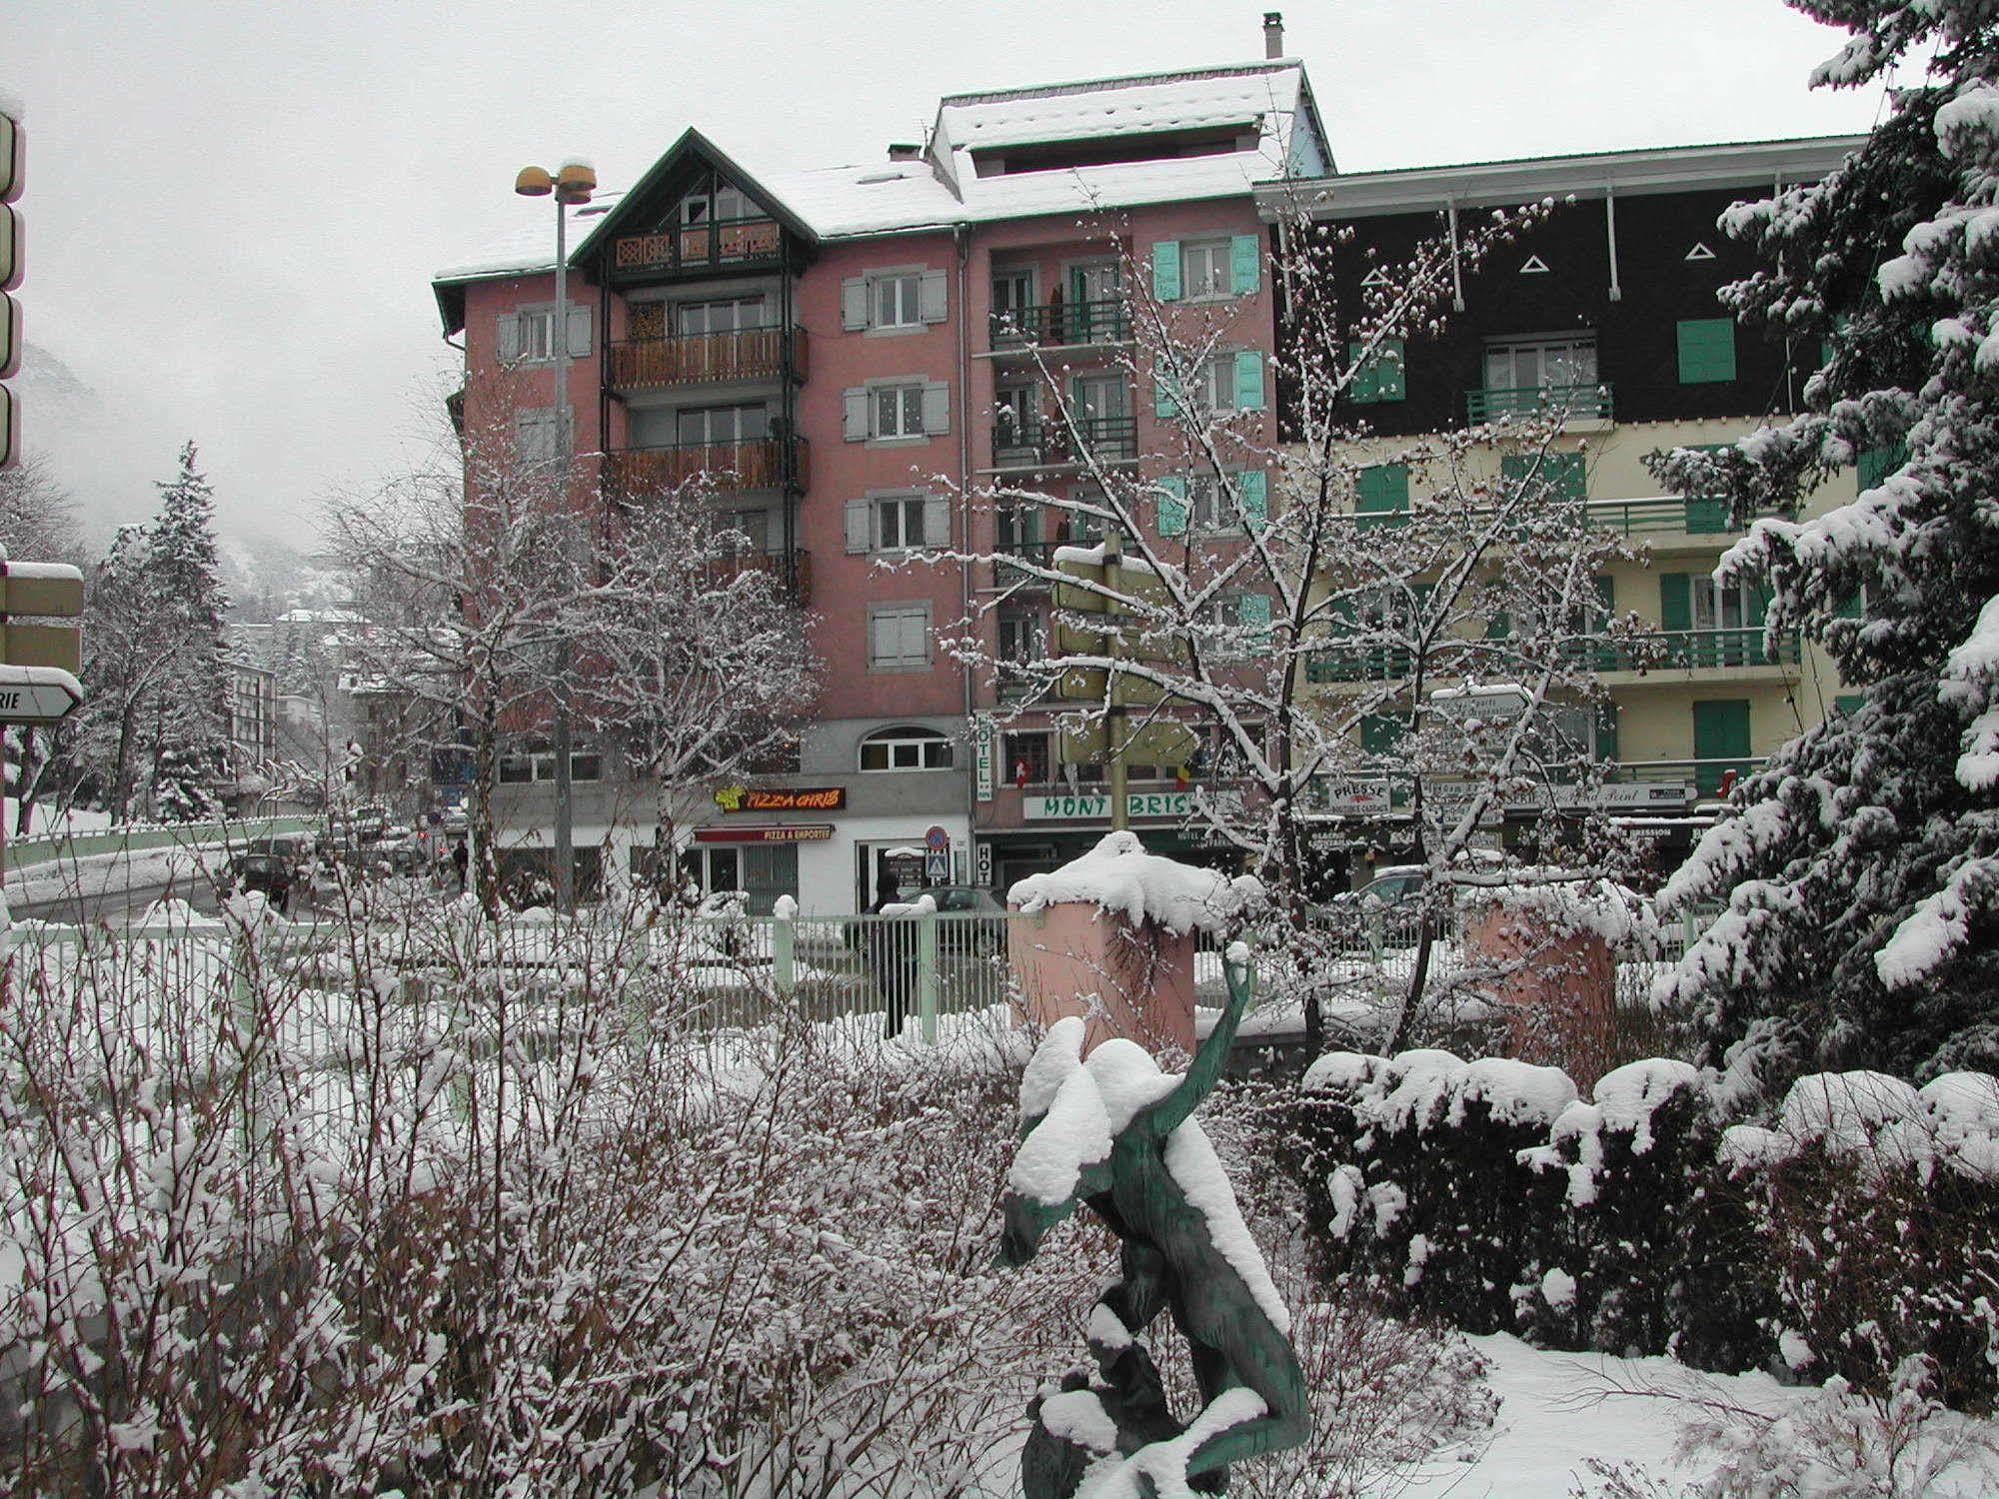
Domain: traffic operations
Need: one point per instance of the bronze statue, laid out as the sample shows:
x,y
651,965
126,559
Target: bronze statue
x,y
1124,1135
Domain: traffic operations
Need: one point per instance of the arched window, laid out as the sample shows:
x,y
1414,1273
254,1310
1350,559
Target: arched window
x,y
906,748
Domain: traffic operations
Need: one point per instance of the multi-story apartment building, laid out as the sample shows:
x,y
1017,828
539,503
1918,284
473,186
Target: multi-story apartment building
x,y
855,355
1606,312
850,353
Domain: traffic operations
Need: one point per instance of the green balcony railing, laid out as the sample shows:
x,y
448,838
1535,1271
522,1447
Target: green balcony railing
x,y
1538,400
1059,324
1666,515
1047,445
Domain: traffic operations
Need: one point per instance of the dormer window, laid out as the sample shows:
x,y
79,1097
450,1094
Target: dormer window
x,y
712,201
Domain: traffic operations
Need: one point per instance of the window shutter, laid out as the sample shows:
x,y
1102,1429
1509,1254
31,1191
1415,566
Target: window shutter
x,y
1252,491
509,337
1165,396
930,298
1249,381
915,643
936,408
854,302
1676,601
1380,732
860,525
1245,264
1382,495
1606,730
1389,365
1253,614
1364,389
579,332
1166,270
936,521
1499,626
855,404
1876,464
1606,596
1707,350
1172,506
1848,607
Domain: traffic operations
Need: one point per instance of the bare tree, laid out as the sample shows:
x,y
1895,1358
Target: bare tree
x,y
1240,601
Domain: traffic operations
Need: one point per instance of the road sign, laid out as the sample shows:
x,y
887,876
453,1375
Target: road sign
x,y
52,590
57,646
936,840
937,865
37,694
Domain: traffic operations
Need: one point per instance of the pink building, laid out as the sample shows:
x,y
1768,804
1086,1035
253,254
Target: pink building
x,y
856,353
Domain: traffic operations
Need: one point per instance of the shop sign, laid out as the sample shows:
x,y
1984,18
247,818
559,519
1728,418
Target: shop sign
x,y
1357,801
1618,796
808,833
983,862
1096,806
781,798
982,758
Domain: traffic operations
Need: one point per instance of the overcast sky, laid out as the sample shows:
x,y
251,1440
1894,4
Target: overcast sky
x,y
234,207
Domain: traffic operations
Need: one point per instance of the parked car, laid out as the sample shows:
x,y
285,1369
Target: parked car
x,y
272,874
981,937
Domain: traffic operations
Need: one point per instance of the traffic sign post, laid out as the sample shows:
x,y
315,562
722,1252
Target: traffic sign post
x,y
37,694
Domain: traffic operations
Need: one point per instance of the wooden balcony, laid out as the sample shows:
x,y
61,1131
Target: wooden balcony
x,y
792,574
708,358
725,244
632,473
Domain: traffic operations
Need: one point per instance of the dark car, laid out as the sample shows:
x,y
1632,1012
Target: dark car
x,y
272,874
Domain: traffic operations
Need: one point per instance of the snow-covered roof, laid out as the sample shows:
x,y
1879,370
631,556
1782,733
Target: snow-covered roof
x,y
1259,95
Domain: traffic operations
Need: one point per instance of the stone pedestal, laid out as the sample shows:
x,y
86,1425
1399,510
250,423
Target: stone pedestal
x,y
1076,958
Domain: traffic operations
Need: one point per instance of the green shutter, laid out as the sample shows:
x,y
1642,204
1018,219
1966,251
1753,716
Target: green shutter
x,y
1166,270
1380,378
1676,601
1606,730
1877,464
1499,626
1165,399
1249,381
1380,732
1707,514
1606,596
1562,473
1253,614
1848,607
1382,495
1721,735
1848,702
1707,350
1245,264
1252,490
1172,506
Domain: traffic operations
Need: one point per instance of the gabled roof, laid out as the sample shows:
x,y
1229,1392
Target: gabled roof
x,y
648,194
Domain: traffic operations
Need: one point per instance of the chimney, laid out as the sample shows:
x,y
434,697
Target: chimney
x,y
904,151
1273,33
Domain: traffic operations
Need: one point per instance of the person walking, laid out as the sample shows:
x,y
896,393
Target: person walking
x,y
892,952
461,857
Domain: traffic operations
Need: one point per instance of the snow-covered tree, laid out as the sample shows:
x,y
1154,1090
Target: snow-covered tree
x,y
705,666
1861,867
187,606
1239,605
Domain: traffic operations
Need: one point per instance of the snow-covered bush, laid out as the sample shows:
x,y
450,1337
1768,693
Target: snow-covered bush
x,y
1859,1233
413,1209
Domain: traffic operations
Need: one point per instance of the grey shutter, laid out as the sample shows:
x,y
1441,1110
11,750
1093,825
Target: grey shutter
x,y
854,302
936,521
579,332
855,404
930,297
510,337
936,408
860,524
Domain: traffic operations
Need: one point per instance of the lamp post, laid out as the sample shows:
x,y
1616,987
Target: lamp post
x,y
572,183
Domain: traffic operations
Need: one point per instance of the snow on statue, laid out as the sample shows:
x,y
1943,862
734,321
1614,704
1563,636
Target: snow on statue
x,y
1115,1132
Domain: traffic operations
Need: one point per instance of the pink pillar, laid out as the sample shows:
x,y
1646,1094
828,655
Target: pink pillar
x,y
1076,958
1558,988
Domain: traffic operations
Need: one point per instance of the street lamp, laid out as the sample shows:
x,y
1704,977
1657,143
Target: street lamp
x,y
572,184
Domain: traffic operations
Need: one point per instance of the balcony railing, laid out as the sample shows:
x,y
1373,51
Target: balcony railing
x,y
1539,400
1059,324
705,358
1112,439
1667,515
632,472
1660,650
724,242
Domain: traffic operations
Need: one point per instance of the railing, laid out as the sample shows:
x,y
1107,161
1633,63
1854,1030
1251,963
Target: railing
x,y
1033,553
1655,650
1539,400
698,358
697,246
632,472
1058,324
131,838
1667,515
1112,439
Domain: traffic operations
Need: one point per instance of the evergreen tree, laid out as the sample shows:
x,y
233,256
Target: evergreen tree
x,y
1861,867
187,606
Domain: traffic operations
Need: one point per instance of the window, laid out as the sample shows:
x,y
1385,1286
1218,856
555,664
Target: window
x,y
536,330
907,748
537,436
898,411
1378,375
697,426
1021,637
1013,296
1024,758
897,301
535,761
899,523
723,315
1015,416
1205,503
1707,350
1541,364
527,334
898,637
1204,269
714,200
1017,531
744,531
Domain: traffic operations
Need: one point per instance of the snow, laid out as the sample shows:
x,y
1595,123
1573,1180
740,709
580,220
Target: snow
x,y
1516,1092
1106,1329
1952,1122
1422,1086
1059,1054
1626,1096
1192,1161
1119,876
1165,1463
1078,1416
1558,1288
